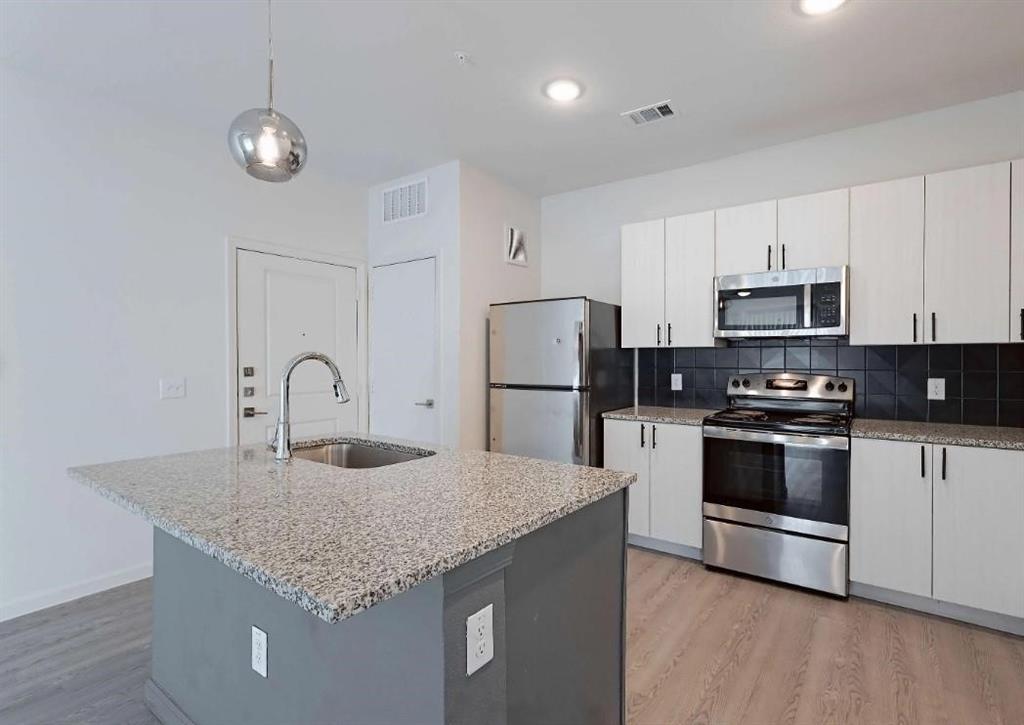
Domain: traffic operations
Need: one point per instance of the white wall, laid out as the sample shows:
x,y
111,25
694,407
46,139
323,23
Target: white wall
x,y
435,234
113,244
488,207
581,228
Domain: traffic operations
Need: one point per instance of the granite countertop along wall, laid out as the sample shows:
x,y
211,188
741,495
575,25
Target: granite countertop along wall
x,y
947,434
661,414
337,541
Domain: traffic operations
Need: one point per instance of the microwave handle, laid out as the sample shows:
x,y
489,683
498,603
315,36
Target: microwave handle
x,y
807,305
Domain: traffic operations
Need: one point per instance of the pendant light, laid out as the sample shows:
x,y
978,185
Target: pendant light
x,y
267,144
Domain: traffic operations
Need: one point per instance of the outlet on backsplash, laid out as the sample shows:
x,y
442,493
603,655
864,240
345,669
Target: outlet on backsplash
x,y
936,388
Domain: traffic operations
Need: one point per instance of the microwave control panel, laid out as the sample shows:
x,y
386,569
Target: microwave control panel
x,y
826,304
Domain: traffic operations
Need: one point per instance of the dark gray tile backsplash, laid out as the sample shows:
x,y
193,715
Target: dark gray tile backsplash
x,y
984,383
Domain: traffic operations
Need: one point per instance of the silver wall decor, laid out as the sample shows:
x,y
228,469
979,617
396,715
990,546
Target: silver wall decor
x,y
515,246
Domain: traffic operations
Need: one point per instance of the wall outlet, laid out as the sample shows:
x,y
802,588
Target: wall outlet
x,y
479,639
936,388
172,388
677,381
259,651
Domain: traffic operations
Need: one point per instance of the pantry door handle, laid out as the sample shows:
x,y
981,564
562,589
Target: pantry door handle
x,y
252,412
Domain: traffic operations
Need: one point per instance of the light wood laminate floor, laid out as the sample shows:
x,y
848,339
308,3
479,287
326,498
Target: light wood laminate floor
x,y
703,647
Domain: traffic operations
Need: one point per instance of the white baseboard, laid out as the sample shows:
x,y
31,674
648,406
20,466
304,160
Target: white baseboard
x,y
665,547
42,600
970,615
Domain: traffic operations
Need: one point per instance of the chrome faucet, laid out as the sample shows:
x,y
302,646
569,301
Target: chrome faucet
x,y
283,436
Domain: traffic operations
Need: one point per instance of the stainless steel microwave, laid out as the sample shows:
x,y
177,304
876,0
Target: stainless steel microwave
x,y
787,303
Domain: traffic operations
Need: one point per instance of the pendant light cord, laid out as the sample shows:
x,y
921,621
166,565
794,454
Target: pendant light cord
x,y
270,60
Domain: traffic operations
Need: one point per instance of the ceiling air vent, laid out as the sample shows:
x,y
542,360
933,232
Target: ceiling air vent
x,y
647,114
405,202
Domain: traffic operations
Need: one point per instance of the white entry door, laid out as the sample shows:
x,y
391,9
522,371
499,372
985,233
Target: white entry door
x,y
286,306
404,390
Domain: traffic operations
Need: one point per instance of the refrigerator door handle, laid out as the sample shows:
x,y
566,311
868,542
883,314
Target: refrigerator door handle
x,y
577,433
580,362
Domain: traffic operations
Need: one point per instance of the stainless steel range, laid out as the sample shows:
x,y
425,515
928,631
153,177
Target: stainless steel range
x,y
777,479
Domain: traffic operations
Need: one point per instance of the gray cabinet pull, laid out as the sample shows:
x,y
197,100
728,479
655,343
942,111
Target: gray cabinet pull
x,y
428,403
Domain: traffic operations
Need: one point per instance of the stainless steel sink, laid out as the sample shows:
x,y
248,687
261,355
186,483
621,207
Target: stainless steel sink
x,y
355,455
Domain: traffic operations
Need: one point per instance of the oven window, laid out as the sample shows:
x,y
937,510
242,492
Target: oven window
x,y
805,483
767,308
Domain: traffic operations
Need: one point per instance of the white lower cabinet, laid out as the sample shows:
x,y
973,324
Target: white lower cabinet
x,y
979,528
891,515
665,502
954,533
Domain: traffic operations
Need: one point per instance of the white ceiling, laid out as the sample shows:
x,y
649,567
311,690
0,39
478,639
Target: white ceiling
x,y
378,92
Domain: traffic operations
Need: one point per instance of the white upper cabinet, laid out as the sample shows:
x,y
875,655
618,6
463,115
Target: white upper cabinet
x,y
891,515
979,528
745,238
814,230
887,262
967,252
676,485
1017,254
689,280
643,283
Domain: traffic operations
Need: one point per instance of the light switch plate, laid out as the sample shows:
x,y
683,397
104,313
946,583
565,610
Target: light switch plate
x,y
677,381
479,639
259,651
936,388
172,388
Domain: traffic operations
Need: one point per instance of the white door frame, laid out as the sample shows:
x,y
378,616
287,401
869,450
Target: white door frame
x,y
442,395
231,248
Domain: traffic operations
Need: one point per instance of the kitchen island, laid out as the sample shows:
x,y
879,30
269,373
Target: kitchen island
x,y
363,579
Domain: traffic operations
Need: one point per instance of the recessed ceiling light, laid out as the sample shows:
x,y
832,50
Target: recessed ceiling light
x,y
563,90
819,7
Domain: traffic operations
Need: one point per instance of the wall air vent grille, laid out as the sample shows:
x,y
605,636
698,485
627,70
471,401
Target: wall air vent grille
x,y
648,114
405,202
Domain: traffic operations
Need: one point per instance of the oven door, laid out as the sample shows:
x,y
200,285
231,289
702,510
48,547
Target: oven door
x,y
798,483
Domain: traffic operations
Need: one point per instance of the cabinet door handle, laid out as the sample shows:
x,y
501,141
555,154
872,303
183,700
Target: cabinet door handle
x,y
1022,323
769,258
642,428
783,256
654,437
659,333
943,464
669,343
922,461
933,327
915,327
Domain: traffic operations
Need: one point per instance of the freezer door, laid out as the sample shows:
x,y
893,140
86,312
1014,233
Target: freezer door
x,y
539,343
548,424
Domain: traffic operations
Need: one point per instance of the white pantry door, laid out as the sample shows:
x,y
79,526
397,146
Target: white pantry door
x,y
286,306
404,391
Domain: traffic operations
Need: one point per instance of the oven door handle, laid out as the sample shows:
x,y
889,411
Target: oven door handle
x,y
784,439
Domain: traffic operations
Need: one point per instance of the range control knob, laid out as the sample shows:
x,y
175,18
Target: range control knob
x,y
842,387
746,383
735,383
830,386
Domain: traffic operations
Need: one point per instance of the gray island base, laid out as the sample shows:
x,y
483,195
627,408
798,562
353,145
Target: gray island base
x,y
363,579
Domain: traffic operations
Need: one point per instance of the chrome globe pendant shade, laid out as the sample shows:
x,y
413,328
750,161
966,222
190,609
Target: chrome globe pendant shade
x,y
267,144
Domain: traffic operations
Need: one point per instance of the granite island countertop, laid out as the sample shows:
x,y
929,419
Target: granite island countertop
x,y
335,540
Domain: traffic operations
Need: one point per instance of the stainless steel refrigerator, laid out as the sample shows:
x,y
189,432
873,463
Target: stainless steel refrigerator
x,y
555,366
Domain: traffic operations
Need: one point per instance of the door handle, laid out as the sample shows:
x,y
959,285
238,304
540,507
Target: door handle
x,y
783,256
943,464
922,461
428,403
669,334
915,327
1022,323
654,437
933,327
252,412
642,429
659,333
769,258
